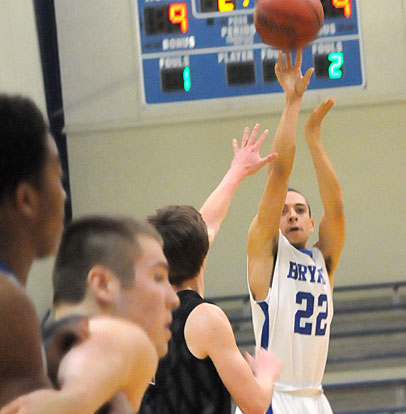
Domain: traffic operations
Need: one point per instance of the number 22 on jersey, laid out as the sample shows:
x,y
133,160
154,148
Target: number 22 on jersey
x,y
303,325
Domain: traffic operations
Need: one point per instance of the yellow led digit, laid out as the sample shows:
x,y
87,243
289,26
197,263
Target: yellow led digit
x,y
345,5
226,5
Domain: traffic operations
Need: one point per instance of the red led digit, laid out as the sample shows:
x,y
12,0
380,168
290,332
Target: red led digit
x,y
345,5
178,15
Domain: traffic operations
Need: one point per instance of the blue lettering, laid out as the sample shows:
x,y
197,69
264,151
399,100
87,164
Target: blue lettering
x,y
302,272
312,270
292,270
298,271
321,277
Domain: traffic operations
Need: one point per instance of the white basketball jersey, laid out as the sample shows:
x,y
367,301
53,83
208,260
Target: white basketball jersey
x,y
294,320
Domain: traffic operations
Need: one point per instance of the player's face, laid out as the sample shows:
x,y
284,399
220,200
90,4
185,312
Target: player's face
x,y
150,300
296,224
51,201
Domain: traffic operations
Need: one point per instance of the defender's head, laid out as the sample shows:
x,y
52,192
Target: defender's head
x,y
186,241
116,266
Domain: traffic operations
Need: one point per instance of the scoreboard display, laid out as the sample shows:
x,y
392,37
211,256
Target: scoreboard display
x,y
205,49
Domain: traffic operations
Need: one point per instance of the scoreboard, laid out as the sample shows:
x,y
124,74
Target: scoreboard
x,y
205,49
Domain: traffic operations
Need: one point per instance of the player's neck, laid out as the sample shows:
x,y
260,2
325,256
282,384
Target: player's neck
x,y
196,284
84,308
17,248
299,245
16,257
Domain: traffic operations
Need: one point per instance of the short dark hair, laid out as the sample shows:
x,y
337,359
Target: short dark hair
x,y
307,202
186,241
97,240
23,147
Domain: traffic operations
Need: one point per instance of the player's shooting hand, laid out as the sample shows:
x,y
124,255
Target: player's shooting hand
x,y
313,123
290,75
248,157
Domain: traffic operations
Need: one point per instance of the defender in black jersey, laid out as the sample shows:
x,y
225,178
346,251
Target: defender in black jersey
x,y
184,383
203,365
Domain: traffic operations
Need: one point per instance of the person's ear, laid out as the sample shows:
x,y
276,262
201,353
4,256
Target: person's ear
x,y
312,225
103,284
26,199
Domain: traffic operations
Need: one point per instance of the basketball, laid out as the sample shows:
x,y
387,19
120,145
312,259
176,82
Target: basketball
x,y
288,24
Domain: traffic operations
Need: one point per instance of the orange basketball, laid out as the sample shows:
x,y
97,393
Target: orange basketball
x,y
288,24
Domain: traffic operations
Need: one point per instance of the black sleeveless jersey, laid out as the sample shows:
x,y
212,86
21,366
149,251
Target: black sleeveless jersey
x,y
185,384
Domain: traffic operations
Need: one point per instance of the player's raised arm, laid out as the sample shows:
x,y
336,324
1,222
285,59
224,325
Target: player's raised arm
x,y
332,225
263,233
247,161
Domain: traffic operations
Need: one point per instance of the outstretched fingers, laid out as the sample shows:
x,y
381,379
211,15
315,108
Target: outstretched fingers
x,y
304,83
236,148
270,157
298,60
281,63
308,75
253,137
288,58
316,117
261,139
247,138
326,106
250,144
258,145
245,135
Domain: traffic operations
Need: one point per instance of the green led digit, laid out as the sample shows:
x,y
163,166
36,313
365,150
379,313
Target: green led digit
x,y
186,79
337,60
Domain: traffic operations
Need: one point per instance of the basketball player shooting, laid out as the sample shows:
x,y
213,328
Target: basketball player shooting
x,y
290,286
